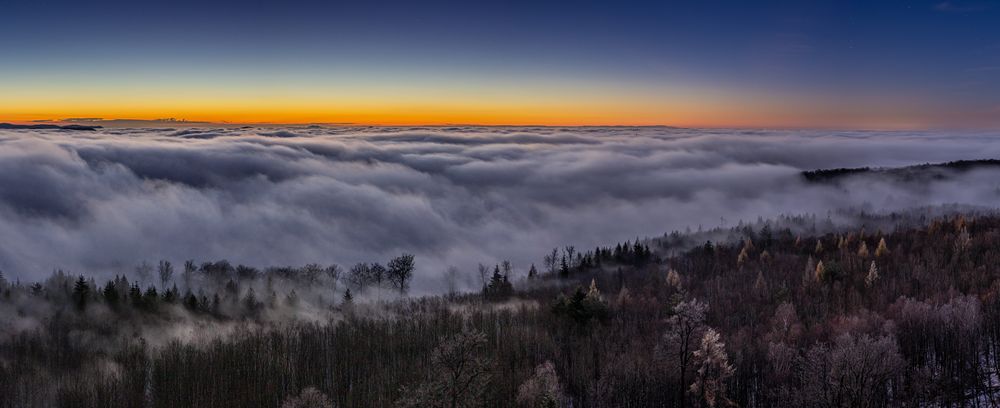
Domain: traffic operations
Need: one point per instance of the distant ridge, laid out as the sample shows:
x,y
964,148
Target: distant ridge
x,y
920,172
48,126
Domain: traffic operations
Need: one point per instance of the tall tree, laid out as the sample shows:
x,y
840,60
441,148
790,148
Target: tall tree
x,y
81,293
712,369
166,272
401,272
460,372
684,328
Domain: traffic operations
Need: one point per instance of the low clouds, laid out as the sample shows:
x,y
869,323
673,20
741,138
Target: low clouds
x,y
101,202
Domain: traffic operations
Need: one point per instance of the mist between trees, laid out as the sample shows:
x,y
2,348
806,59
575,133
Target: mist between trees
x,y
896,310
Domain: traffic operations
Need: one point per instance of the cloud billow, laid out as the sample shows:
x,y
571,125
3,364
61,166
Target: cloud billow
x,y
101,202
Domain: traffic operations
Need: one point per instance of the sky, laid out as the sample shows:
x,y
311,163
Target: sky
x,y
773,64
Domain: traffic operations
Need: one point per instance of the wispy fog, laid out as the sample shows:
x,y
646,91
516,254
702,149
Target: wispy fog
x,y
101,202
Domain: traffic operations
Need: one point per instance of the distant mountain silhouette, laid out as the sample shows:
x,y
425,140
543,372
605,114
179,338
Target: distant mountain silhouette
x,y
920,172
48,126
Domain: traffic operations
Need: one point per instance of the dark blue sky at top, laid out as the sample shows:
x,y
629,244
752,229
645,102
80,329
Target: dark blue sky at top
x,y
943,51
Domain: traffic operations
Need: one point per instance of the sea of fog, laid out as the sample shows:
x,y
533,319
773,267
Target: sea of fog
x,y
101,202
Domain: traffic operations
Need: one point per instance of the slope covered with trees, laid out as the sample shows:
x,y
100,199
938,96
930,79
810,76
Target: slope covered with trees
x,y
778,313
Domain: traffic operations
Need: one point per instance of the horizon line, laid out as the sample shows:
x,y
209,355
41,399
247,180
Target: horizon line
x,y
135,123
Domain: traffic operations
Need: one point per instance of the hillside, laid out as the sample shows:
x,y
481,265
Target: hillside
x,y
918,173
912,314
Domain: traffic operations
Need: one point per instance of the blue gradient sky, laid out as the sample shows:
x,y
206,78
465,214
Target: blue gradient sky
x,y
694,63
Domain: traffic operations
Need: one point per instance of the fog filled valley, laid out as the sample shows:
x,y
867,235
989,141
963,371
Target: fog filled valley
x,y
498,266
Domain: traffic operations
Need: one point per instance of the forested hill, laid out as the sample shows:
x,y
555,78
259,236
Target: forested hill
x,y
918,173
863,317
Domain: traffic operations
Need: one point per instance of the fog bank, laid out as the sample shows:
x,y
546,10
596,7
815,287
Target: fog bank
x,y
101,202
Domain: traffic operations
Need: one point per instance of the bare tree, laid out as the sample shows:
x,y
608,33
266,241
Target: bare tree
x,y
310,273
459,374
188,275
360,276
552,261
855,372
376,276
333,274
143,271
166,272
401,272
484,271
569,251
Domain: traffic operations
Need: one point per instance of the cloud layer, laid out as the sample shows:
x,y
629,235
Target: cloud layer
x,y
100,202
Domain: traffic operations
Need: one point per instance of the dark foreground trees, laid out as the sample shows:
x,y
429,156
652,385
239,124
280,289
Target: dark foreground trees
x,y
744,321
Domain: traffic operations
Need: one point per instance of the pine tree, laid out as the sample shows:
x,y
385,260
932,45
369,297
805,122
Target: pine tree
x,y
81,293
111,295
348,297
863,250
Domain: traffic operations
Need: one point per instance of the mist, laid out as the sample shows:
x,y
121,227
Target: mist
x,y
101,202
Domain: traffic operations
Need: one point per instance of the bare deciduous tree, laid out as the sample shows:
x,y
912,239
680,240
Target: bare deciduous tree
x,y
459,374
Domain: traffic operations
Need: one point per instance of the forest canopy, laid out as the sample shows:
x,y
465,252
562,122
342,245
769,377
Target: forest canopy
x,y
900,309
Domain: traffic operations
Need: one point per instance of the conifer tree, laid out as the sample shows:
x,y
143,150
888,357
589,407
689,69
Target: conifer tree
x,y
81,293
820,272
882,249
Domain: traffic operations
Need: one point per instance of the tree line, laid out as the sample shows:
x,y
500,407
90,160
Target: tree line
x,y
767,315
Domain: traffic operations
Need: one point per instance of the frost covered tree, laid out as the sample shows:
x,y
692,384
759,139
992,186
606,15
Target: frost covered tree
x,y
872,275
309,398
712,369
542,390
684,327
674,278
